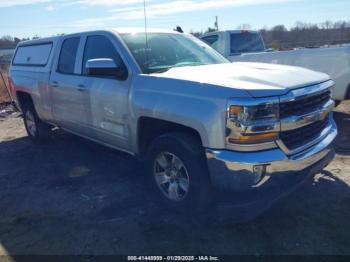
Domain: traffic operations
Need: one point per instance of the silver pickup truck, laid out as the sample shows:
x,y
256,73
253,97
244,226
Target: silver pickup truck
x,y
201,124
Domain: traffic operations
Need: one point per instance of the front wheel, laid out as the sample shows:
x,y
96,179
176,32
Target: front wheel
x,y
177,165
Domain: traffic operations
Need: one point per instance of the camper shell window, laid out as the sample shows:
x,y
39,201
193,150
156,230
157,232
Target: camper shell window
x,y
33,55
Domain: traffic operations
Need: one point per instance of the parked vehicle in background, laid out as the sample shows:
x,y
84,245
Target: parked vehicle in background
x,y
6,55
198,121
249,46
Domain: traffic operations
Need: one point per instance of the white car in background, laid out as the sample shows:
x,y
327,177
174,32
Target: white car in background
x,y
249,46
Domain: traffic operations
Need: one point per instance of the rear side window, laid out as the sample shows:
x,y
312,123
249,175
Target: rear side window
x,y
212,40
66,63
246,43
99,46
33,55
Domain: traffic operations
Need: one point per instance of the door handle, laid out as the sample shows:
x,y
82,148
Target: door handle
x,y
54,84
82,88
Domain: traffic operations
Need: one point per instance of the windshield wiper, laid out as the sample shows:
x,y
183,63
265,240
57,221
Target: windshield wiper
x,y
165,68
187,64
158,69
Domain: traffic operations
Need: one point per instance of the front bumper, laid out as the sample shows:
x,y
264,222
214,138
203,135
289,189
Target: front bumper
x,y
233,171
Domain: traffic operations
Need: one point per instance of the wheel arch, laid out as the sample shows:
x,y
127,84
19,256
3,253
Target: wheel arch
x,y
347,94
23,98
149,128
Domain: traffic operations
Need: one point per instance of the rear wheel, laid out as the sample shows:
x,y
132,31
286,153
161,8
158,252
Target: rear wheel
x,y
177,166
37,130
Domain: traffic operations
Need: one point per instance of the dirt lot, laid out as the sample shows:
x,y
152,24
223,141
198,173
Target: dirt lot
x,y
75,197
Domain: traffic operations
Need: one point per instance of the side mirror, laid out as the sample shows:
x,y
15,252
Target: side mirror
x,y
105,67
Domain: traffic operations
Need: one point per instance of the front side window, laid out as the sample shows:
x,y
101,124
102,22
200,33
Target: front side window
x,y
163,51
68,55
99,47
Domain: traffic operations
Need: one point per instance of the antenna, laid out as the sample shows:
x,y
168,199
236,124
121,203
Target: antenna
x,y
216,24
145,14
179,29
146,34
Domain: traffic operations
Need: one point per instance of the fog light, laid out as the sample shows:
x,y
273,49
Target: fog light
x,y
259,173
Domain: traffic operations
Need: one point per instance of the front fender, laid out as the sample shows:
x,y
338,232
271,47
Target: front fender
x,y
198,106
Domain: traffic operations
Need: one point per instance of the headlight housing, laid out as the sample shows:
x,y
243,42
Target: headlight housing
x,y
253,122
249,114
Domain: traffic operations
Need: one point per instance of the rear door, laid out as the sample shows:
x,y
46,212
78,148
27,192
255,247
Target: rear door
x,y
69,99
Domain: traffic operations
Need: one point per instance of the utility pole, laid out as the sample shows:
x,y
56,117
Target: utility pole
x,y
216,24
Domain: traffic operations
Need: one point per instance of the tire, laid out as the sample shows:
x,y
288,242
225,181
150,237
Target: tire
x,y
347,95
173,158
38,131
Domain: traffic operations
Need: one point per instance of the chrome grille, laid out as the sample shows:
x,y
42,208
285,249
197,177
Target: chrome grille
x,y
304,115
299,137
305,105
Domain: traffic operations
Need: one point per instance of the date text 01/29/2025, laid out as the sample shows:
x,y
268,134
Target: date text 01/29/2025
x,y
173,258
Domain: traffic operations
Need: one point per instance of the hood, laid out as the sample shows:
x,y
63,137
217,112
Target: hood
x,y
260,80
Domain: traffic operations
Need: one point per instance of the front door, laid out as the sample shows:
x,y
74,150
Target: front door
x,y
107,114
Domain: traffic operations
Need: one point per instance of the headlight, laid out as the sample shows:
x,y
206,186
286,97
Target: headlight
x,y
252,123
249,114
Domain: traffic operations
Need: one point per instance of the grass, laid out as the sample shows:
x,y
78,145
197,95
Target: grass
x,y
4,97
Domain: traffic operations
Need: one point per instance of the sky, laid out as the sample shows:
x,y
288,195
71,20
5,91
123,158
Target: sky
x,y
26,18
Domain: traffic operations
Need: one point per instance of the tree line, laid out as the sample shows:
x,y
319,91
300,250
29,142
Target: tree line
x,y
8,41
307,35
277,37
301,35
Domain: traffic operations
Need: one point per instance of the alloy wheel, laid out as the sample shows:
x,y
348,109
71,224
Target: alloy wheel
x,y
171,176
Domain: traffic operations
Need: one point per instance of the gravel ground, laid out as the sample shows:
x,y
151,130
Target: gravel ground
x,y
75,197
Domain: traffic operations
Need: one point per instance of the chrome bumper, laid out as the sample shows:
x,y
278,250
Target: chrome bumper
x,y
233,171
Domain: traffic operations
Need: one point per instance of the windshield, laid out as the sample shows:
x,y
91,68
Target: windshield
x,y
246,43
165,51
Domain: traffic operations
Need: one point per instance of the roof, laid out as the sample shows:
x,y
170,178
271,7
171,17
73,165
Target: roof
x,y
39,41
116,30
231,31
142,30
